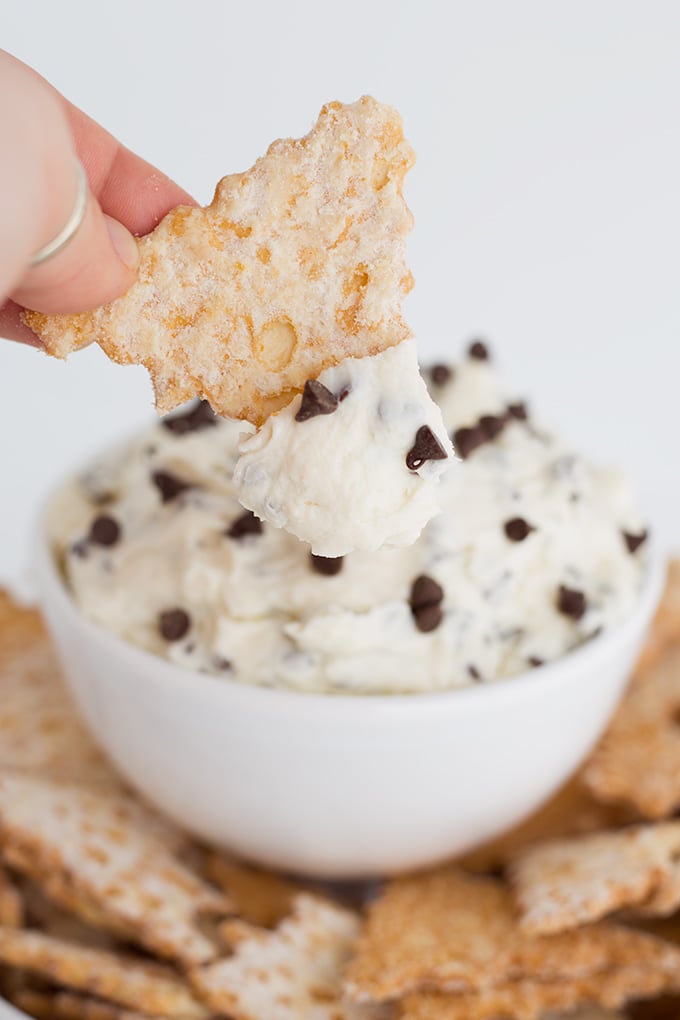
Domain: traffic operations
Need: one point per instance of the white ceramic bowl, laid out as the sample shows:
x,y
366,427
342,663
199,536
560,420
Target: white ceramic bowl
x,y
339,786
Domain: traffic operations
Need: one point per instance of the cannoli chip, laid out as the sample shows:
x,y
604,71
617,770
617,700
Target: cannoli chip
x,y
292,972
40,731
297,264
109,853
638,759
453,932
564,883
151,989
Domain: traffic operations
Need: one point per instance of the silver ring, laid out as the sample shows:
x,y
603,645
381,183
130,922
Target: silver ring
x,y
71,225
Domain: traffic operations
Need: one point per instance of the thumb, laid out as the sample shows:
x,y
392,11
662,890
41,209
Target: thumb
x,y
95,264
42,192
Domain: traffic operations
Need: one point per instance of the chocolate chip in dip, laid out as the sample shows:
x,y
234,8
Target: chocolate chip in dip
x,y
328,566
478,351
425,447
316,399
199,415
383,621
246,524
517,529
571,602
634,541
173,624
169,485
467,439
104,530
425,602
518,411
441,374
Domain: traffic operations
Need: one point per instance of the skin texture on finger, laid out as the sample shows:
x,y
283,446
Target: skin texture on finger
x,y
39,189
36,196
127,188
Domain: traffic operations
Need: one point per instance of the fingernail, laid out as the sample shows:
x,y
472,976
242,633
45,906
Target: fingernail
x,y
123,243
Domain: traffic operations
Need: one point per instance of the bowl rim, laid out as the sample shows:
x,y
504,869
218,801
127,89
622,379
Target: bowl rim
x,y
207,687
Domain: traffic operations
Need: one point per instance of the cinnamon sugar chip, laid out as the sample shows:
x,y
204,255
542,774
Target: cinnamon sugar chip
x,y
296,264
104,855
52,919
40,731
564,883
67,1006
638,759
450,931
150,988
529,1000
292,972
260,897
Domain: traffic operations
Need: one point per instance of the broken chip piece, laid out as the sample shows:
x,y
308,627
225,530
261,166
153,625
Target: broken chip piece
x,y
453,932
564,883
292,972
148,987
638,760
40,732
111,853
538,1000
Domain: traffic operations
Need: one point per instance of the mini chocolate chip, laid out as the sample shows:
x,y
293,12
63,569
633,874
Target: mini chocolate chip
x,y
316,399
517,529
173,624
518,411
326,565
633,542
478,351
571,602
425,592
222,664
246,524
440,374
344,393
104,530
466,440
169,486
199,416
425,602
474,673
427,618
425,447
534,661
491,425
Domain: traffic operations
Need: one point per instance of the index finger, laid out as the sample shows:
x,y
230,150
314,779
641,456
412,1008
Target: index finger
x,y
126,186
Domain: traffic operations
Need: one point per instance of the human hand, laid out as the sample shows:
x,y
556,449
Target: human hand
x,y
44,137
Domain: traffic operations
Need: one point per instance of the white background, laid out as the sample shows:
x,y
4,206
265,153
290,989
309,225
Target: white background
x,y
546,194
